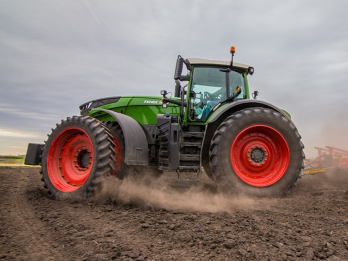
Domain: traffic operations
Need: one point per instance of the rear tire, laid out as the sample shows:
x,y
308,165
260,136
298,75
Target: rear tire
x,y
258,152
76,155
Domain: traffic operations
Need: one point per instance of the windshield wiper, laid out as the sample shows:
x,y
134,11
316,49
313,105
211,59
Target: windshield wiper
x,y
229,99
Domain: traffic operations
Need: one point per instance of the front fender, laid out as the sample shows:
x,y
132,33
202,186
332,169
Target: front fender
x,y
136,147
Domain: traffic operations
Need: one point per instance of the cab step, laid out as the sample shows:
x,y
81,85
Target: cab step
x,y
187,180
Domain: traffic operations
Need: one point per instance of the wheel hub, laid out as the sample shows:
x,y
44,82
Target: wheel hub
x,y
82,156
257,155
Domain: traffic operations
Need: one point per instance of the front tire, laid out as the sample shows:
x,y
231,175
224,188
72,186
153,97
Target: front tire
x,y
258,152
77,153
121,169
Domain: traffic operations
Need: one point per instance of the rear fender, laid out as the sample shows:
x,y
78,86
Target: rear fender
x,y
136,146
221,114
229,109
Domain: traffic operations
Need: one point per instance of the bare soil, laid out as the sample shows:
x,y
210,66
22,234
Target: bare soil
x,y
165,220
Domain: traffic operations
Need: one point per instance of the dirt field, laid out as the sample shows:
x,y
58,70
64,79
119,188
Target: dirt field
x,y
165,220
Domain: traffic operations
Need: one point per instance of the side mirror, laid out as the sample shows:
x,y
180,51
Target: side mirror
x,y
177,89
255,94
178,68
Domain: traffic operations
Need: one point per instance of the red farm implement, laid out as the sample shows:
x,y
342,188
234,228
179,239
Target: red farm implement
x,y
328,158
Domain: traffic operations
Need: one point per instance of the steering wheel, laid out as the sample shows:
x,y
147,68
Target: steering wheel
x,y
210,97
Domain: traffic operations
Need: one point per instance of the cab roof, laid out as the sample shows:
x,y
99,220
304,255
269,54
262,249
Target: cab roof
x,y
196,61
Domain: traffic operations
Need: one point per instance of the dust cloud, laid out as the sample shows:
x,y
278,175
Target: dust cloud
x,y
165,193
318,183
332,133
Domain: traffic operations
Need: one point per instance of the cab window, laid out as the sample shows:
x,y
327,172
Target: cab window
x,y
209,87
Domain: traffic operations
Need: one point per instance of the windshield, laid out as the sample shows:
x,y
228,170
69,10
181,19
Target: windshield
x,y
209,87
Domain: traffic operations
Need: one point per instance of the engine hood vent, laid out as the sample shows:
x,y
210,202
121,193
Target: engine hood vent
x,y
88,106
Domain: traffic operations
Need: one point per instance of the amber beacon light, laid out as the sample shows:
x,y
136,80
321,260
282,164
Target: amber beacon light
x,y
232,51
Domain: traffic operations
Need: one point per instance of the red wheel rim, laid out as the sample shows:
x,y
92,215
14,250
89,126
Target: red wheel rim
x,y
260,156
118,157
70,159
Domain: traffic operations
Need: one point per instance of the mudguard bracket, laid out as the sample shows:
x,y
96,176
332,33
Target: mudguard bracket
x,y
34,152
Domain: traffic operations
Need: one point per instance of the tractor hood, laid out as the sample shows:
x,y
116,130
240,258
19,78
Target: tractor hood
x,y
122,101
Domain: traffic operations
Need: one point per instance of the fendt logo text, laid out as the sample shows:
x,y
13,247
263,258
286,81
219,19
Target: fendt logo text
x,y
153,102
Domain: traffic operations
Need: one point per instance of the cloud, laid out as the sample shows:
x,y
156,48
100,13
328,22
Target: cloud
x,y
21,112
14,134
17,147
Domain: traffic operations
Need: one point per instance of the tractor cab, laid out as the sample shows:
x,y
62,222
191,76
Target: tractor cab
x,y
211,84
209,87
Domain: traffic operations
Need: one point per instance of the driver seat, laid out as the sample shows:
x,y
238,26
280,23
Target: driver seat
x,y
210,106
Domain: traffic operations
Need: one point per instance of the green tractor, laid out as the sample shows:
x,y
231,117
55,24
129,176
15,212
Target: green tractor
x,y
244,145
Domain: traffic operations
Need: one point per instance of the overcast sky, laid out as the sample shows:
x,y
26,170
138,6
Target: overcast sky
x,y
56,55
